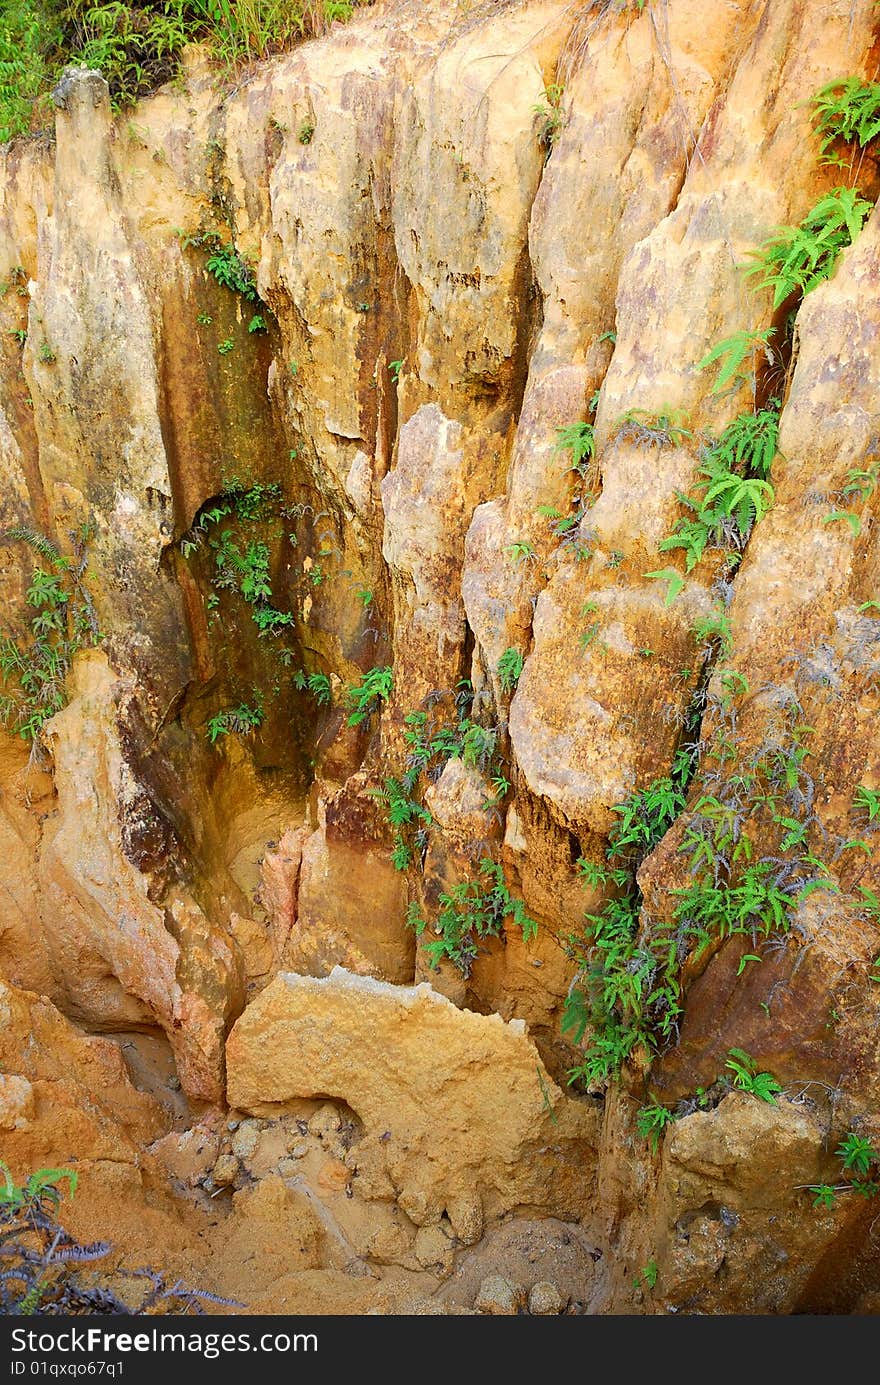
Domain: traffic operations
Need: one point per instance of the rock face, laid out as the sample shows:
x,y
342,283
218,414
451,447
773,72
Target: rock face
x,y
63,1091
364,614
120,960
410,1064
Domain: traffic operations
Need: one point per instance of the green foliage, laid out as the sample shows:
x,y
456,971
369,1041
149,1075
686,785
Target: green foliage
x,y
859,1159
798,258
856,1154
394,368
846,110
735,351
627,993
40,1184
318,684
651,1121
430,746
137,44
364,697
548,112
578,440
34,661
645,817
403,811
732,494
715,629
241,567
257,323
859,485
469,911
669,575
237,721
230,269
510,666
747,1078
866,803
748,444
521,553
41,1261
29,32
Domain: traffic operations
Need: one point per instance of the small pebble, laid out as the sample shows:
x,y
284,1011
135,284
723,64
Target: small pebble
x,y
545,1299
325,1121
226,1170
499,1296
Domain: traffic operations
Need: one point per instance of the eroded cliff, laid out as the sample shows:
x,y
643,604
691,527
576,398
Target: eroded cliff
x,y
354,411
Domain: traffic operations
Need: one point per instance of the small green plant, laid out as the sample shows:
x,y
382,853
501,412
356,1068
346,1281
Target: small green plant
x,y
430,747
204,319
521,553
578,440
735,351
318,684
230,269
715,629
798,258
859,485
651,1121
257,323
510,666
34,663
548,112
45,353
732,494
365,697
859,1159
305,132
673,579
395,368
468,912
43,1182
747,1078
225,346
846,111
866,803
237,721
591,631
647,1275
42,1262
403,812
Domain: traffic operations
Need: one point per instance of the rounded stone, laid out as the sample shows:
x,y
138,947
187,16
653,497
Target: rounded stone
x,y
499,1296
226,1170
325,1121
545,1300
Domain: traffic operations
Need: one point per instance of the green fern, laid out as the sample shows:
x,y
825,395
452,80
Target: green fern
x,y
510,666
734,351
798,258
847,110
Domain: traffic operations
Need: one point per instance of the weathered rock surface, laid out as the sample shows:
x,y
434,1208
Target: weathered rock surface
x,y
119,960
505,219
409,1062
64,1096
